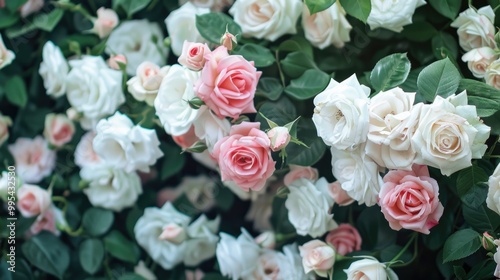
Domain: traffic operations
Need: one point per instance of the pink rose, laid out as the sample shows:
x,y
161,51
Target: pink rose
x,y
228,84
59,129
30,7
280,137
344,239
297,172
46,221
244,156
338,194
114,59
409,199
32,200
318,256
33,158
106,21
193,55
187,139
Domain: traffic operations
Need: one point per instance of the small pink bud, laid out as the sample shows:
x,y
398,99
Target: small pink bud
x,y
266,240
488,241
114,60
280,137
227,40
106,21
173,233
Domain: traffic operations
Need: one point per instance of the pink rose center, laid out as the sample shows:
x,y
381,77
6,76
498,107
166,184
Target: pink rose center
x,y
63,133
34,157
193,51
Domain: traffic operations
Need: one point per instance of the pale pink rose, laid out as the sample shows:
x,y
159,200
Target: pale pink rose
x,y
409,199
317,256
338,194
150,75
106,21
59,129
167,194
30,7
187,139
194,275
173,233
244,156
228,84
46,221
193,55
32,200
5,122
280,137
84,152
2,4
478,60
344,239
33,158
114,59
297,172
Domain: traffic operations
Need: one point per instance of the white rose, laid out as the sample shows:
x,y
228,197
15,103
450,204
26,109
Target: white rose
x,y
5,122
6,56
124,145
181,26
392,15
370,269
493,199
93,89
449,134
84,152
110,187
479,59
308,208
145,85
358,175
475,28
33,158
341,114
317,256
326,28
276,265
213,5
492,74
4,185
266,19
171,103
202,240
210,128
148,229
393,120
106,21
237,258
53,69
135,39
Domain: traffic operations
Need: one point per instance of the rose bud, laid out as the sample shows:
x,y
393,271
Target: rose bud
x,y
115,60
488,241
173,233
317,256
106,21
193,55
280,137
32,200
227,40
59,129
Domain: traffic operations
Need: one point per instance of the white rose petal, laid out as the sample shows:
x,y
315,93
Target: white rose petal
x,y
237,258
492,74
493,199
6,56
203,240
369,269
475,28
478,60
392,15
53,69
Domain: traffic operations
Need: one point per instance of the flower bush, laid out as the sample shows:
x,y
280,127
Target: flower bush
x,y
249,139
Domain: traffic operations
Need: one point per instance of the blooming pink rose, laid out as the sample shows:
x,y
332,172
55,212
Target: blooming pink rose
x,y
344,239
106,21
46,221
114,59
30,7
59,129
318,256
244,156
280,137
228,84
409,199
338,194
297,172
187,139
32,200
33,158
193,55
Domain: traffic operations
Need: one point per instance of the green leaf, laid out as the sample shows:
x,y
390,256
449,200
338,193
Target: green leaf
x,y
444,41
359,9
296,63
121,248
47,253
91,254
270,88
306,156
419,31
440,78
308,84
469,187
479,89
45,22
14,5
485,107
97,221
461,244
448,8
173,161
390,71
260,55
15,90
481,218
316,6
213,25
297,44
281,112
459,272
7,19
131,6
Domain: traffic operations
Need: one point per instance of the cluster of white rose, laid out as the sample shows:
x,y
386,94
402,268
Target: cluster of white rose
x,y
368,135
476,33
